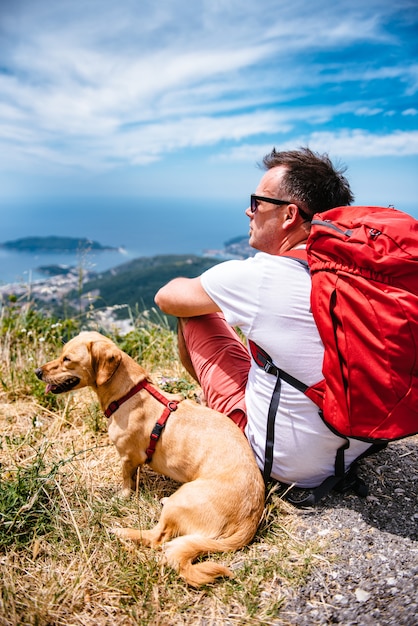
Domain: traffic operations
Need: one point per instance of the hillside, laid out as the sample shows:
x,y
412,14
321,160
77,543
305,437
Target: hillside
x,y
135,283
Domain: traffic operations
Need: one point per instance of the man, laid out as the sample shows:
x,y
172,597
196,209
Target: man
x,y
268,298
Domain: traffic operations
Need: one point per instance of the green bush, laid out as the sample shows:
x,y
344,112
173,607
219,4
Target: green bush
x,y
28,501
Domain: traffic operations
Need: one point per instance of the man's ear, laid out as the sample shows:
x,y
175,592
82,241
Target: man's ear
x,y
290,216
105,359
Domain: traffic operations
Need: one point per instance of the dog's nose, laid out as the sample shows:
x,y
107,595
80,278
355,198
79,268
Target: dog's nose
x,y
38,373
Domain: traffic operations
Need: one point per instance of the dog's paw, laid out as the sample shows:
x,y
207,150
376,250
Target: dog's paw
x,y
123,494
119,532
133,534
129,542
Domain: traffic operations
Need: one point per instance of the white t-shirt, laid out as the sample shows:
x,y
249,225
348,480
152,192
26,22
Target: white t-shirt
x,y
268,298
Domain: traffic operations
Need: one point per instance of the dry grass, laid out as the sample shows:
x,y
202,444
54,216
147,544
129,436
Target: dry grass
x,y
59,482
65,567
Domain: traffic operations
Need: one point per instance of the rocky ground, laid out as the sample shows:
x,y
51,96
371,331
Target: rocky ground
x,y
370,570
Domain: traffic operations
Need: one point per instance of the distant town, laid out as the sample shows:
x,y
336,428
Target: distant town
x,y
127,284
236,248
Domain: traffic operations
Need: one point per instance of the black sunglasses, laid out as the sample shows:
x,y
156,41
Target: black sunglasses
x,y
255,199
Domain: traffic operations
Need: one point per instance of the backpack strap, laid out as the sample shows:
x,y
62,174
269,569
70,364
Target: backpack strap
x,y
299,254
314,495
271,419
317,493
264,360
341,481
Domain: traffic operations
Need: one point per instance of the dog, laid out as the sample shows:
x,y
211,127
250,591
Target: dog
x,y
219,506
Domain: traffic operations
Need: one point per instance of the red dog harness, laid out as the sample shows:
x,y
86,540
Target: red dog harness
x,y
170,406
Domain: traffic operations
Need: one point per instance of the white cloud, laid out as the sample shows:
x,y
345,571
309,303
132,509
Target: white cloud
x,y
98,85
144,144
368,111
346,143
360,143
410,112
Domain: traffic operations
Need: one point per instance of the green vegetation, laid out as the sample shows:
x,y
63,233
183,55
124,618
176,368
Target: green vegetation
x,y
59,482
134,284
137,282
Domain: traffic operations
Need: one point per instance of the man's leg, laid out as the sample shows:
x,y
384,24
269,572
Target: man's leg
x,y
213,354
183,351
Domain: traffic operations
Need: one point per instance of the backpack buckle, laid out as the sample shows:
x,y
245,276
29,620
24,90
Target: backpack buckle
x,y
269,368
374,233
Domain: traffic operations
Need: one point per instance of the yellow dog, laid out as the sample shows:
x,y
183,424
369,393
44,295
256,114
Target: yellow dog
x,y
219,506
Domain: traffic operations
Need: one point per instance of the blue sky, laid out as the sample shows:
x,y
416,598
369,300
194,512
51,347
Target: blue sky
x,y
182,98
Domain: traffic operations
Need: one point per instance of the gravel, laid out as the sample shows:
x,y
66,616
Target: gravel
x,y
369,571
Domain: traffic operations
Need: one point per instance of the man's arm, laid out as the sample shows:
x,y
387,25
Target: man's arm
x,y
185,297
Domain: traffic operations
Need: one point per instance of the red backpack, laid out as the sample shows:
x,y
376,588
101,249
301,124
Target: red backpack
x,y
364,299
363,263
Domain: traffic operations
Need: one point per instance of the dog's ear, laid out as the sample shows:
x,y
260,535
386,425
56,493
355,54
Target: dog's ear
x,y
105,359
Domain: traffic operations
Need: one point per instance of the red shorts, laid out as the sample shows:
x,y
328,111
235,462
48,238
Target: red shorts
x,y
221,362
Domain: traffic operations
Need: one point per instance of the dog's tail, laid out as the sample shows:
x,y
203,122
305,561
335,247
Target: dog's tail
x,y
182,551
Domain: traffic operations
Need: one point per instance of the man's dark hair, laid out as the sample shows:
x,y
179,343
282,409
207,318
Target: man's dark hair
x,y
311,181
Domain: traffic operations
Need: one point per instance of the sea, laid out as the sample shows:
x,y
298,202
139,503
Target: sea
x,y
135,227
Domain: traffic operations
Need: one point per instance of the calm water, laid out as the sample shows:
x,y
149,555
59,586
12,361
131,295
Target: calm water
x,y
140,227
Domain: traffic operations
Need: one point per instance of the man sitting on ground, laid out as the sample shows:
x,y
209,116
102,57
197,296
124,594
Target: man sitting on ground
x,y
268,298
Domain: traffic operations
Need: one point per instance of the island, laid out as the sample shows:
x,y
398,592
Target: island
x,y
55,244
